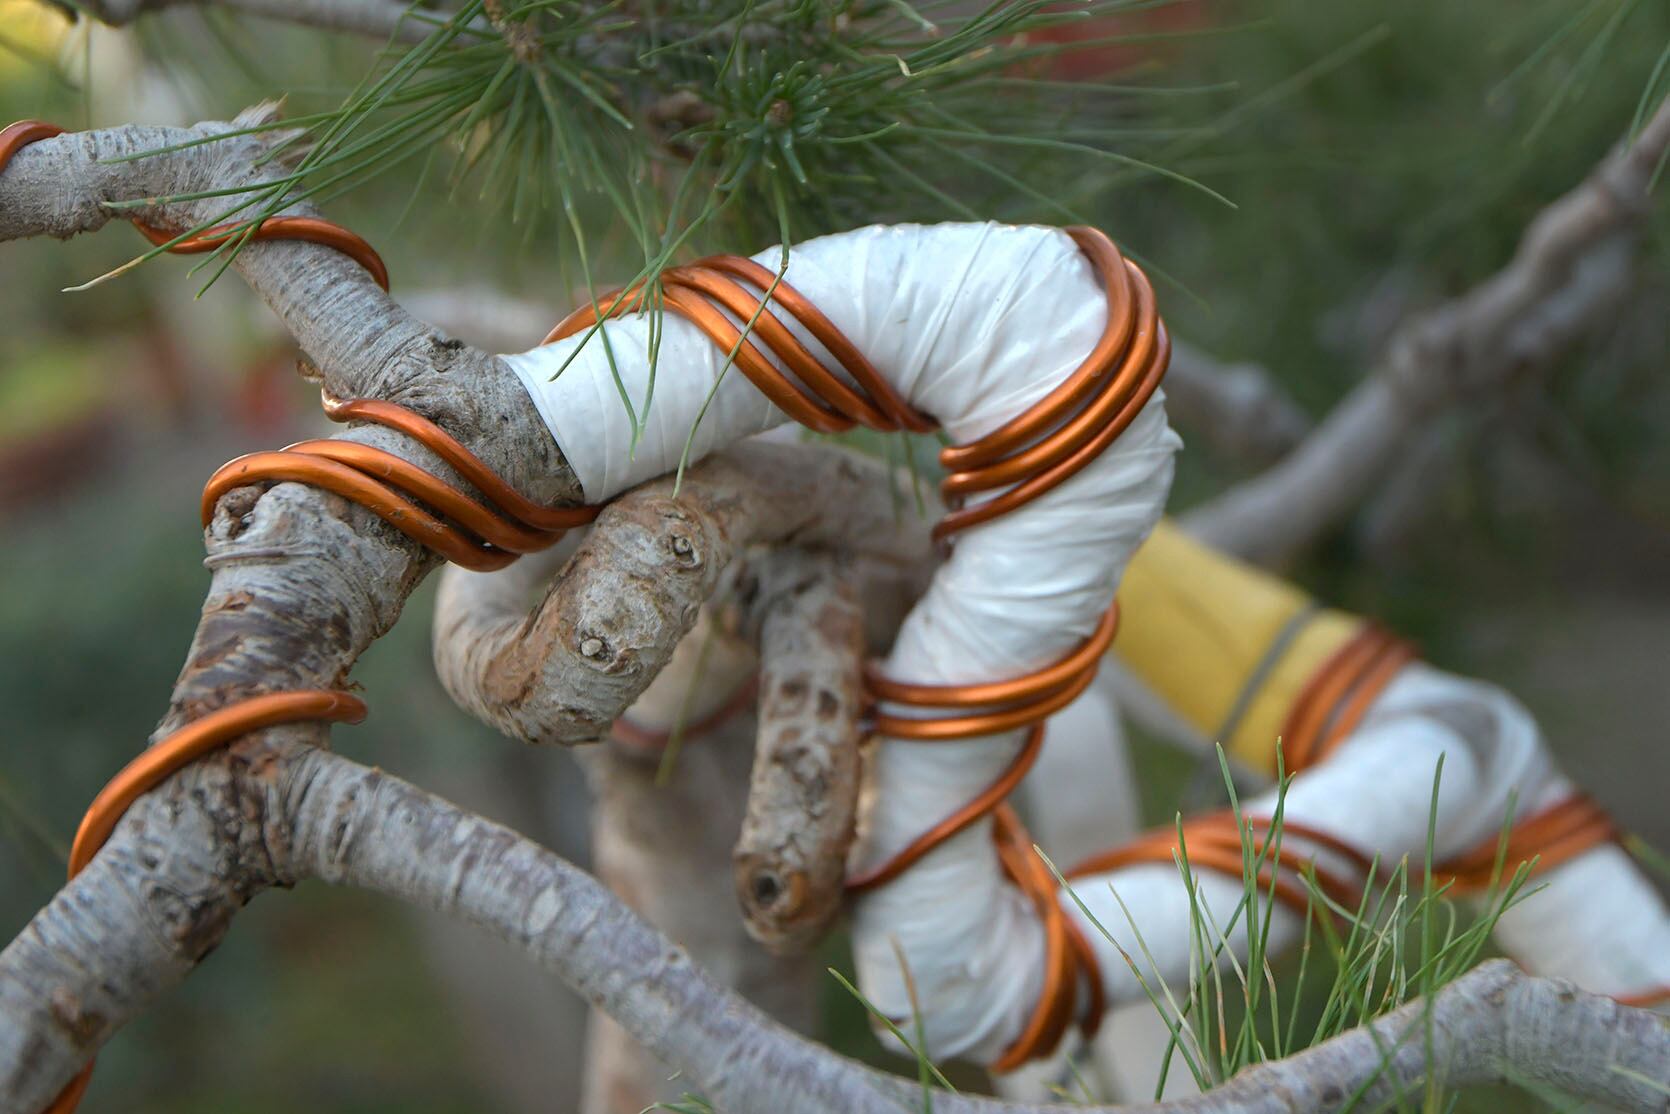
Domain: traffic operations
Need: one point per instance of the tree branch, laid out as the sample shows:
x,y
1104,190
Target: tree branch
x,y
620,608
791,859
358,826
662,843
362,342
303,582
383,19
1570,266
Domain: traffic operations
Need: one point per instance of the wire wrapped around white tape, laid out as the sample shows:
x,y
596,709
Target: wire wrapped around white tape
x,y
972,323
1595,920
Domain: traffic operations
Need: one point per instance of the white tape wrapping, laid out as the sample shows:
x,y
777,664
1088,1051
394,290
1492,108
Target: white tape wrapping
x,y
1595,920
972,323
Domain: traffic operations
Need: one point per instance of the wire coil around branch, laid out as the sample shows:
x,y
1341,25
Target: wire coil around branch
x,y
216,729
1020,461
1041,448
1327,711
15,137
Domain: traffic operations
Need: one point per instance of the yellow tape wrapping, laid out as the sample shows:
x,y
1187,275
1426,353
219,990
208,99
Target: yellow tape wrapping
x,y
31,37
1228,647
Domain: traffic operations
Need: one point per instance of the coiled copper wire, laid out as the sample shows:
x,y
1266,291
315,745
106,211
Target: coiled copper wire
x,y
1025,458
218,728
1557,834
480,533
1338,695
1328,709
1022,460
173,753
1332,705
1217,841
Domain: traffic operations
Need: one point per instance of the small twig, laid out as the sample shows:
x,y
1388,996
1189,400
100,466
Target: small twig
x,y
618,612
803,795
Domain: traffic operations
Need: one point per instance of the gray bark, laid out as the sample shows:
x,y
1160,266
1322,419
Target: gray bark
x,y
302,583
361,827
791,859
1570,266
564,671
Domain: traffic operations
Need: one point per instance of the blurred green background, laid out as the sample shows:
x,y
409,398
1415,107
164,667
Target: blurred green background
x,y
1382,155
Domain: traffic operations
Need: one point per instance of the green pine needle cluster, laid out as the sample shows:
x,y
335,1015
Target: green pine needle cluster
x,y
681,123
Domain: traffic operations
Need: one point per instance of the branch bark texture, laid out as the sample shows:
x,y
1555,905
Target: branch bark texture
x,y
302,583
791,859
361,827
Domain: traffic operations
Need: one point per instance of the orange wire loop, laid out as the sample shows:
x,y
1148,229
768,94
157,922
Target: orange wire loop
x,y
477,533
1027,457
489,527
1019,462
315,230
1218,841
1328,709
173,753
481,534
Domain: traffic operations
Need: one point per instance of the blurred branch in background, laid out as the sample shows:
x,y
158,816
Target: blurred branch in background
x,y
1572,266
387,19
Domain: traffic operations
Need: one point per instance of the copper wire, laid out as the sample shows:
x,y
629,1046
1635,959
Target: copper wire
x,y
173,753
1218,841
1328,709
1557,834
480,534
1021,460
1338,695
646,740
311,229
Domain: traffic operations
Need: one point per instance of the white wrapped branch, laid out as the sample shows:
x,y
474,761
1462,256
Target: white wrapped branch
x,y
951,315
973,324
1599,923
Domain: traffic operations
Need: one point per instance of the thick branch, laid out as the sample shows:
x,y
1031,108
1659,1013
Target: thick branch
x,y
380,18
363,344
358,826
302,583
1569,267
663,844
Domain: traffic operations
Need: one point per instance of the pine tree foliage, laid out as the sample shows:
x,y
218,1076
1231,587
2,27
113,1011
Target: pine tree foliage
x,y
687,123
